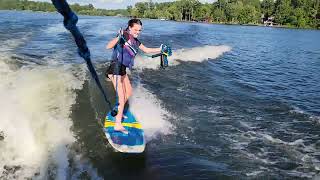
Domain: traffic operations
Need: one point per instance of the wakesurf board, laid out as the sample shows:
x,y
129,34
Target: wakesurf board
x,y
133,142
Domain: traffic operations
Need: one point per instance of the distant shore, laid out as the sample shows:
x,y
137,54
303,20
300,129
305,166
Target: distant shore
x,y
183,21
280,14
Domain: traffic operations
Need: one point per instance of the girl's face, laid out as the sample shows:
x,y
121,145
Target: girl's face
x,y
135,30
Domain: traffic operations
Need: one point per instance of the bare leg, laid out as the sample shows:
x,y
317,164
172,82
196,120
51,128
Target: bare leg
x,y
127,89
118,85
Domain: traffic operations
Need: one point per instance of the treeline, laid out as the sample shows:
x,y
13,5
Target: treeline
x,y
48,7
291,13
294,13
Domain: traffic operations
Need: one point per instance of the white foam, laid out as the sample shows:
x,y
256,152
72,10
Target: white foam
x,y
148,110
197,54
297,110
55,29
10,44
312,117
279,141
82,165
34,117
254,173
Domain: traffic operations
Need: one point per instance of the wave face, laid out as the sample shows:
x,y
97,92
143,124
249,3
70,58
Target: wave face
x,y
235,101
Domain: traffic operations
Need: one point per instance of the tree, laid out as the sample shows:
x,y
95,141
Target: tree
x,y
219,15
129,9
233,11
300,16
90,6
174,12
283,11
267,8
248,15
203,12
141,8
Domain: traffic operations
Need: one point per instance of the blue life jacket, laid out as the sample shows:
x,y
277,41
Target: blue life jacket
x,y
130,50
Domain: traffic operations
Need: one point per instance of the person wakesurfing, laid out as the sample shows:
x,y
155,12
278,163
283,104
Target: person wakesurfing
x,y
125,48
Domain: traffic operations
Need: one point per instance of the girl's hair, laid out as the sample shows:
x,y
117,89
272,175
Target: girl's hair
x,y
131,23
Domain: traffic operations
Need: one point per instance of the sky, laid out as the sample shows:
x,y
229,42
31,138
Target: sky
x,y
114,4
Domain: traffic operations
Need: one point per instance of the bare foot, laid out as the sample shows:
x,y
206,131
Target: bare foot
x,y
119,127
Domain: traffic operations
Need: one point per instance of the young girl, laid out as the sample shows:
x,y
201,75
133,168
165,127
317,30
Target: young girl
x,y
125,49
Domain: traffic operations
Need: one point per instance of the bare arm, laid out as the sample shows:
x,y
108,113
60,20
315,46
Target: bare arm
x,y
112,43
149,50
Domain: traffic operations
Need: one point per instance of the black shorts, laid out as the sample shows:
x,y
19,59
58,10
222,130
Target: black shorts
x,y
112,69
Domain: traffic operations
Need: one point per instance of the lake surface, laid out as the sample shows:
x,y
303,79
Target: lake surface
x,y
236,102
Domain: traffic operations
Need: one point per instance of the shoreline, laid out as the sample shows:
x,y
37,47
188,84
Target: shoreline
x,y
216,23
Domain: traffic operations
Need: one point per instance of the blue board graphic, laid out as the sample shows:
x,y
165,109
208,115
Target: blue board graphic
x,y
133,142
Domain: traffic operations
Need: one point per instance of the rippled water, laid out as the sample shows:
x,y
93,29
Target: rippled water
x,y
236,102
